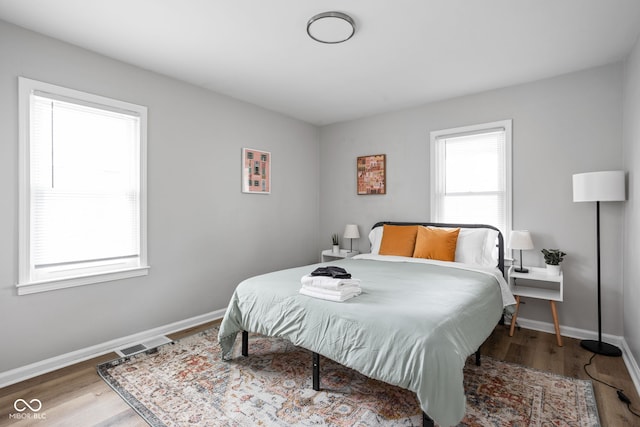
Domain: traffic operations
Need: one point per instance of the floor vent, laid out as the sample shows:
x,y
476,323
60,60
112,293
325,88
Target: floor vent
x,y
148,345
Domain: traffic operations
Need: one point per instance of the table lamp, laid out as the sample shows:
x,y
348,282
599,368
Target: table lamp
x,y
520,240
351,232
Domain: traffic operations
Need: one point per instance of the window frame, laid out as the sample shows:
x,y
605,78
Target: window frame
x,y
436,177
27,284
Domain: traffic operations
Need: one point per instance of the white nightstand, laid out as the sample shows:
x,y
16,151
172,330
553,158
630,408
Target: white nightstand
x,y
328,255
551,293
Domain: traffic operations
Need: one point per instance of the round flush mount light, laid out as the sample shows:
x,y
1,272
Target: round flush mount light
x,y
331,27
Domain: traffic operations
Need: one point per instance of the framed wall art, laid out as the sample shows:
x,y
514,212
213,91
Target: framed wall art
x,y
256,171
372,174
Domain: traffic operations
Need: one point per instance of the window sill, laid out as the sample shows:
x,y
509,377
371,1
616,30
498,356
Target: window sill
x,y
51,285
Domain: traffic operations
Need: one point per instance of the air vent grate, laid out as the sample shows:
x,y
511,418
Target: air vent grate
x,y
148,345
132,350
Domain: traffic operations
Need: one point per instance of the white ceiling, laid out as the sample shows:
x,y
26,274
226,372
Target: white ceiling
x,y
404,52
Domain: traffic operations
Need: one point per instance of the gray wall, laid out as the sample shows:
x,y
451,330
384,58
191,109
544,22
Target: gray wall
x,y
561,126
632,214
204,234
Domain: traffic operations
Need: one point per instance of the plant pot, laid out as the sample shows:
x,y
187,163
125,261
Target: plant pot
x,y
553,270
336,249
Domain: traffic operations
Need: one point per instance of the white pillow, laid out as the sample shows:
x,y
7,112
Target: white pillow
x,y
475,246
375,237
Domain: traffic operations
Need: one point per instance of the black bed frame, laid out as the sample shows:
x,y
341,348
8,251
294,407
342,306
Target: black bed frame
x,y
427,421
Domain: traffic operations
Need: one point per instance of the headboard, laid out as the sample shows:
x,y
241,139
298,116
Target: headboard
x,y
500,243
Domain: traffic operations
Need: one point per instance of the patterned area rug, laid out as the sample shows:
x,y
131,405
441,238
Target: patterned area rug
x,y
185,383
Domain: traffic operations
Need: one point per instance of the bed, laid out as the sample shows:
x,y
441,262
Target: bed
x,y
414,325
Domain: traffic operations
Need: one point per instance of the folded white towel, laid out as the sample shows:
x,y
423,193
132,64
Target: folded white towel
x,y
337,296
326,282
342,290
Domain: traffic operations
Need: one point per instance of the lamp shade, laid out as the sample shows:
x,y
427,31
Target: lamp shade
x,y
520,239
351,231
605,186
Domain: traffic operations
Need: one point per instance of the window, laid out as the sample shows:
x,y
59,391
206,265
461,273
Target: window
x,y
471,175
82,188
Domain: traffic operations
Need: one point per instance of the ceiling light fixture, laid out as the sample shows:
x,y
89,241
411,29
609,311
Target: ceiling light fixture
x,y
331,27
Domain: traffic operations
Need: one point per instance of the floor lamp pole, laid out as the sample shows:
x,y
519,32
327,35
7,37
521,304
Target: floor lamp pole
x,y
600,347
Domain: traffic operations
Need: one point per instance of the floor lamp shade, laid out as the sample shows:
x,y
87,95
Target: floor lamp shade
x,y
606,186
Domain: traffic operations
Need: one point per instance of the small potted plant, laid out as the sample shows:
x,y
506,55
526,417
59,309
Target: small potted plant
x,y
336,243
553,258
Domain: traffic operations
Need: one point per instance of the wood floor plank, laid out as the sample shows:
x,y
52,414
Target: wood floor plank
x,y
77,396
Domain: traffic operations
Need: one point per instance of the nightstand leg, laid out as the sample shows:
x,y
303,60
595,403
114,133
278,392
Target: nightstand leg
x,y
554,313
515,316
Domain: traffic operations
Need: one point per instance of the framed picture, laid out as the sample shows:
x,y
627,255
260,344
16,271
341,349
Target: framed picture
x,y
256,171
372,174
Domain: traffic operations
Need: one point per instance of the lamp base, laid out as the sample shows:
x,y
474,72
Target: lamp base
x,y
521,270
602,348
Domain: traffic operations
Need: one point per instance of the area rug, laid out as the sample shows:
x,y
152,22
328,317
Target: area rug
x,y
185,383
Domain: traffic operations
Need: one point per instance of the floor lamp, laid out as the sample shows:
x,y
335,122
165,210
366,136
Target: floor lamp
x,y
607,186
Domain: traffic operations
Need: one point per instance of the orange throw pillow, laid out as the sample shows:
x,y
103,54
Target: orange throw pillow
x,y
398,240
436,243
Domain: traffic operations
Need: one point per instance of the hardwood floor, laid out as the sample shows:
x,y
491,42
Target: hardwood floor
x,y
77,396
539,350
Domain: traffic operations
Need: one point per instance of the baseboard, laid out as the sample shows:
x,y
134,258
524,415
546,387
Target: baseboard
x,y
632,365
567,331
48,365
583,334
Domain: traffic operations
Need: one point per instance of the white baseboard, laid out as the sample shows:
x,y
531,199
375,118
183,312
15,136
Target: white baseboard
x,y
583,334
48,365
567,331
632,365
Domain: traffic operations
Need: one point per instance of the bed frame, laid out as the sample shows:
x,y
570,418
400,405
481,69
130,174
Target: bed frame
x,y
315,357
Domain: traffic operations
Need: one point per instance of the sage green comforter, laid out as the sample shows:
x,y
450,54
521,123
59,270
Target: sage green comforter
x,y
413,326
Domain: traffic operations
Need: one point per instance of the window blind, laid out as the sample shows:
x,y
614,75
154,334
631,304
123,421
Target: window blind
x,y
85,184
470,176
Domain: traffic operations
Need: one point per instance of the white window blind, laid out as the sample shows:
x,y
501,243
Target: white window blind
x,y
471,175
83,207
